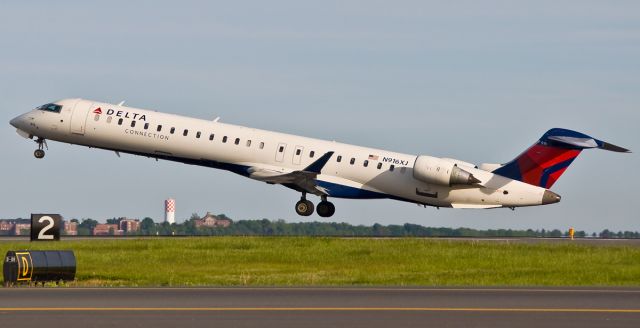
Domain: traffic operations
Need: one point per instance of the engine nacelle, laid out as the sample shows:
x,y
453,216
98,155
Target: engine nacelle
x,y
440,171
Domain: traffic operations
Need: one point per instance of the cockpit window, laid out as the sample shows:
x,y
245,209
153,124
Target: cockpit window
x,y
50,108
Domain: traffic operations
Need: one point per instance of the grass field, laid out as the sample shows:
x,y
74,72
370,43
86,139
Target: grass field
x,y
306,261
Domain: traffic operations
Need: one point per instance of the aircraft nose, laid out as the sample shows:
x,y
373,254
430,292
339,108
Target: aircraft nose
x,y
15,122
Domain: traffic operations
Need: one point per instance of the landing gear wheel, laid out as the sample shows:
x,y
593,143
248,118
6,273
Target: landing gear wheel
x,y
304,207
325,209
39,153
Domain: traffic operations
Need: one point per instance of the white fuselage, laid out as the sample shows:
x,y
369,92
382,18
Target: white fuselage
x,y
237,149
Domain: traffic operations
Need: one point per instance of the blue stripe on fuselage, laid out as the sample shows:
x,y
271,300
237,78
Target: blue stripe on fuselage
x,y
333,189
342,191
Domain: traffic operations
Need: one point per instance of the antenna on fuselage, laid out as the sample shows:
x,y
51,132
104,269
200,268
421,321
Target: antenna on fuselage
x,y
216,119
121,103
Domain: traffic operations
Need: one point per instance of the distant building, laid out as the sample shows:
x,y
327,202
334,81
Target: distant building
x,y
211,221
106,229
15,227
129,225
71,228
6,227
21,227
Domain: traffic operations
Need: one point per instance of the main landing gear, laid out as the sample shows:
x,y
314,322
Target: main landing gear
x,y
39,153
325,208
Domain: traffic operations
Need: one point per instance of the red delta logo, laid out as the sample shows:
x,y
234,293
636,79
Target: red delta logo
x,y
97,110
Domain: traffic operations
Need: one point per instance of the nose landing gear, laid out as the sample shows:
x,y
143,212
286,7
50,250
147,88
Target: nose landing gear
x,y
39,153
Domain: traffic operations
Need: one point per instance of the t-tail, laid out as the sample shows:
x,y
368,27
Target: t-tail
x,y
544,162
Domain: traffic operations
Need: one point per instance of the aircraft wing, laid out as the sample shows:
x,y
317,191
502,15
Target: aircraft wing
x,y
302,179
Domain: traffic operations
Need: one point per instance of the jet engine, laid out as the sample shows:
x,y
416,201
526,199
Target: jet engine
x,y
442,172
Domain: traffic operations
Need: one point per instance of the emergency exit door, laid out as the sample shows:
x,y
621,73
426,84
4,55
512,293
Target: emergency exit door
x,y
282,147
297,155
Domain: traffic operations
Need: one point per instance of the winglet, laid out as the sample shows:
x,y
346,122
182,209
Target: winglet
x,y
317,166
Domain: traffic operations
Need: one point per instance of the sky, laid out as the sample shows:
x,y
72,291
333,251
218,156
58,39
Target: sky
x,y
479,81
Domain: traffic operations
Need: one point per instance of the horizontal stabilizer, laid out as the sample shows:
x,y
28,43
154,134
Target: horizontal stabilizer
x,y
572,139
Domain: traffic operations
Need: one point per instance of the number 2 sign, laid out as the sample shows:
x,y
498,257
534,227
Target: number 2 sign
x,y
45,226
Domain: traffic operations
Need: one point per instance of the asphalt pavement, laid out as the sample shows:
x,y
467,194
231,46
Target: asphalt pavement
x,y
319,307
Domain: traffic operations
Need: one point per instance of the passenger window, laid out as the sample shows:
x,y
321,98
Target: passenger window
x,y
172,130
159,128
312,153
224,139
281,149
353,160
248,143
211,137
109,119
146,126
237,142
133,124
366,163
185,132
391,168
198,135
120,121
262,145
379,166
339,159
298,151
96,118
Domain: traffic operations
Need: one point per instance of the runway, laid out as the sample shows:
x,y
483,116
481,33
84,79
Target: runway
x,y
318,307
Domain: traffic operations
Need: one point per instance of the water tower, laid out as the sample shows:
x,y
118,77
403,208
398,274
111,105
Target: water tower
x,y
170,210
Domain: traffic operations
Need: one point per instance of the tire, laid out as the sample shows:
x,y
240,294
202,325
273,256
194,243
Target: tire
x,y
304,208
39,153
326,209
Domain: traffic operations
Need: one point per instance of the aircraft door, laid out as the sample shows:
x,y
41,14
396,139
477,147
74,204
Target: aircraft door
x,y
297,155
282,147
79,117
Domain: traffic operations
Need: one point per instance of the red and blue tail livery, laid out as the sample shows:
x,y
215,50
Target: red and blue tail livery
x,y
544,162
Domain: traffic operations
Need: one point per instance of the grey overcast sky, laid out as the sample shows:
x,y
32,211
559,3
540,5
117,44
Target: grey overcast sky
x,y
475,80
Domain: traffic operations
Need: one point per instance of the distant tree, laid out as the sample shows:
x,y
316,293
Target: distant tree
x,y
74,221
194,216
113,221
88,224
147,226
83,231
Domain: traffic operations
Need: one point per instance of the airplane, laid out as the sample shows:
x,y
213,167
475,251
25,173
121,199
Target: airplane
x,y
326,169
